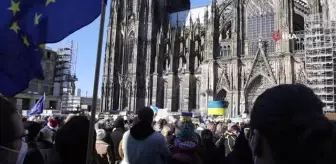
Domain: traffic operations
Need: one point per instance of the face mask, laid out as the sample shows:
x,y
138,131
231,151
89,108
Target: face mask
x,y
21,154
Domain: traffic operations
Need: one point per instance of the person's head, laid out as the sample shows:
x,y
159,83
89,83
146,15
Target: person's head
x,y
33,129
52,123
167,130
162,122
219,129
288,126
72,139
47,135
212,127
12,147
146,114
206,135
234,129
101,134
119,123
186,130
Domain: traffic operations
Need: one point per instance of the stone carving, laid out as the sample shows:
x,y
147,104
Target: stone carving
x,y
254,74
166,62
223,80
255,88
260,64
182,62
228,34
120,79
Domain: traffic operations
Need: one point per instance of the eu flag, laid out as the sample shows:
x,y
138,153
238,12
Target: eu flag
x,y
38,107
48,21
25,25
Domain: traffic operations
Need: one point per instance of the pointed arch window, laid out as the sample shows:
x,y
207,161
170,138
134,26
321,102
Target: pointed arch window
x,y
260,23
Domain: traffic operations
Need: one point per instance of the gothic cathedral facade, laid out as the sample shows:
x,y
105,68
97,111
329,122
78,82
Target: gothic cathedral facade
x,y
162,53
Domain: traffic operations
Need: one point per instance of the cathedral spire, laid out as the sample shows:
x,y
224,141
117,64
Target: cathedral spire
x,y
214,5
190,21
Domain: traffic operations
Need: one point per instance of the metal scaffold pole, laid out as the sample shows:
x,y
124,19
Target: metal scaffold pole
x,y
90,145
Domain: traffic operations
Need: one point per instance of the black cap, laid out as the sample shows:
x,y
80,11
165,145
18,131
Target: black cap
x,y
146,114
284,104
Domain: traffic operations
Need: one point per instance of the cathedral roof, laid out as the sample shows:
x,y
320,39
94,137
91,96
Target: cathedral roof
x,y
183,18
178,5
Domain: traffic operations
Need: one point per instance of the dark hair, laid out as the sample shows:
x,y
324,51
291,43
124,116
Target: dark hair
x,y
146,114
162,122
119,122
7,126
206,134
290,117
72,139
33,129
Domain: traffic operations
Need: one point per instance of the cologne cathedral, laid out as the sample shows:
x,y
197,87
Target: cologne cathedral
x,y
163,53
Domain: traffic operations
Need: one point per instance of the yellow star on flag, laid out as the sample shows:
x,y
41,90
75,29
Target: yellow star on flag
x,y
15,27
25,41
15,7
37,18
50,1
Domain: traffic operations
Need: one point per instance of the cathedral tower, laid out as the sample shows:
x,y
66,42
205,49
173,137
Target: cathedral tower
x,y
131,59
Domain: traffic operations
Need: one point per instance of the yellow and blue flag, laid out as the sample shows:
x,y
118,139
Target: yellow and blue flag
x,y
26,25
186,116
216,108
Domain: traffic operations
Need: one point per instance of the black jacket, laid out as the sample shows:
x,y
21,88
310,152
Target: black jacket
x,y
116,137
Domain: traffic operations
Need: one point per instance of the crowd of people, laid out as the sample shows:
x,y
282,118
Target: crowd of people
x,y
287,126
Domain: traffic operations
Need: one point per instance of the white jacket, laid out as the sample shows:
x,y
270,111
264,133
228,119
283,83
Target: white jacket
x,y
152,150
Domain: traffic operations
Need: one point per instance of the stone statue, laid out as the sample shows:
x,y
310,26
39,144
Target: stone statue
x,y
181,47
196,46
180,62
260,43
167,63
196,63
167,59
202,51
120,78
228,36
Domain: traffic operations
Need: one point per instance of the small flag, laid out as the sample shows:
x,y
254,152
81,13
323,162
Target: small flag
x,y
186,116
216,108
38,107
154,108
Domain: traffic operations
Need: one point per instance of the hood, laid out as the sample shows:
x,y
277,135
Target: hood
x,y
141,130
119,123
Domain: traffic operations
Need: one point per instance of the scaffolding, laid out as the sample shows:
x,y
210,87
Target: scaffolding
x,y
320,53
65,76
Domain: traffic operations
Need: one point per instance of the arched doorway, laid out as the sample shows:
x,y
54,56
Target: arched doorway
x,y
257,86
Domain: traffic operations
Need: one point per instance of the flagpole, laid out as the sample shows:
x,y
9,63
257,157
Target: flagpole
x,y
90,146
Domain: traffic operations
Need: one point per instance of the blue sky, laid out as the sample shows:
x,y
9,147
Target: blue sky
x,y
87,40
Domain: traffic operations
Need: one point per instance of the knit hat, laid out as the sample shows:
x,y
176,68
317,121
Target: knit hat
x,y
186,131
100,134
52,123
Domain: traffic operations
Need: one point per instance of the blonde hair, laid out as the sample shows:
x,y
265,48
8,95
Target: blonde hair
x,y
165,130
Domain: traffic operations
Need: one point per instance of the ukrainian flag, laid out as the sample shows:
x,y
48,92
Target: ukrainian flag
x,y
186,116
216,108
